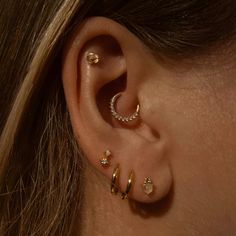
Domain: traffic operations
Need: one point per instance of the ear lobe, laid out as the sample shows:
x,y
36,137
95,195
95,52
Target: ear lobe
x,y
101,59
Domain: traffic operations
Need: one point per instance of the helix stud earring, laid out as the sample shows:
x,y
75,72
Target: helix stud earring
x,y
114,180
119,117
148,186
129,186
92,58
105,161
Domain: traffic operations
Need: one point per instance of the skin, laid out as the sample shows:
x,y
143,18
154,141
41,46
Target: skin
x,y
184,139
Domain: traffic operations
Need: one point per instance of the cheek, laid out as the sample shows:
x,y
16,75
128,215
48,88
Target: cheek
x,y
202,135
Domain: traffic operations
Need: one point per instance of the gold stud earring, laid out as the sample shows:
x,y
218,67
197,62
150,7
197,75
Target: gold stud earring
x,y
129,186
105,161
148,186
92,58
119,117
114,180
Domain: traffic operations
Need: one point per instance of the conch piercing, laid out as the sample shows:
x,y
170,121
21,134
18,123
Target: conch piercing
x,y
129,186
114,180
148,186
117,115
105,161
92,58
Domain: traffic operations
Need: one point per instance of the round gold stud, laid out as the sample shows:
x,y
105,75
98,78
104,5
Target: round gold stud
x,y
92,58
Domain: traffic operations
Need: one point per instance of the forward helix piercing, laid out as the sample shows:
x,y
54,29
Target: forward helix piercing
x,y
105,161
119,117
92,58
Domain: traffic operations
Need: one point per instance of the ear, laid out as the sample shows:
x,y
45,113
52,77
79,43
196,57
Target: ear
x,y
125,65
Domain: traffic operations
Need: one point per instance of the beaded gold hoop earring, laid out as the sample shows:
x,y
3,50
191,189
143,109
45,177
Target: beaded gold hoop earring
x,y
119,117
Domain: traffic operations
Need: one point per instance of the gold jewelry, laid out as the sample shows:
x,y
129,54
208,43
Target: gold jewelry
x,y
117,115
148,186
128,188
105,161
92,58
114,180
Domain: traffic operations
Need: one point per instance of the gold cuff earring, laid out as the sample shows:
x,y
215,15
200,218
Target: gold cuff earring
x,y
128,187
119,117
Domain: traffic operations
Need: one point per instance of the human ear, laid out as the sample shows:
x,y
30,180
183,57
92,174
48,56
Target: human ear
x,y
122,64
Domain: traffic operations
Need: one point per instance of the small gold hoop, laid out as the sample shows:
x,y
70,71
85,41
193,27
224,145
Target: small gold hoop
x,y
129,186
119,117
114,179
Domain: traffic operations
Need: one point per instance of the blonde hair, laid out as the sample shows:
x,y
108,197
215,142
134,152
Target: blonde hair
x,y
41,167
56,174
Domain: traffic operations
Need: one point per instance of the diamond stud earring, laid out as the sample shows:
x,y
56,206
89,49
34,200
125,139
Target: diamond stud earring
x,y
92,58
148,186
105,161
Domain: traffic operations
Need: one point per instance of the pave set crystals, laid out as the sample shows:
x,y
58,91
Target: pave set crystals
x,y
148,186
120,117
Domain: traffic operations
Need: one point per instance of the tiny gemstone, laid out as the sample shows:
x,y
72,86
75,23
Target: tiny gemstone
x,y
148,186
107,153
104,162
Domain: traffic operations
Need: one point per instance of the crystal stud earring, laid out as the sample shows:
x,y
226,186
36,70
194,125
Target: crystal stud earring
x,y
148,186
105,161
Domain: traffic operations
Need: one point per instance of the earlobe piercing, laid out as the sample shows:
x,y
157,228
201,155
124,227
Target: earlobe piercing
x,y
117,115
114,180
92,58
129,186
148,186
105,162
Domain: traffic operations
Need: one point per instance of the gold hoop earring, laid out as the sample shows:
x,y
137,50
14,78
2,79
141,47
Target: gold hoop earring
x,y
114,180
129,186
119,117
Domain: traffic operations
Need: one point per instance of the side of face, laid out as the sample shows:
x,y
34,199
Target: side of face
x,y
194,104
184,138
